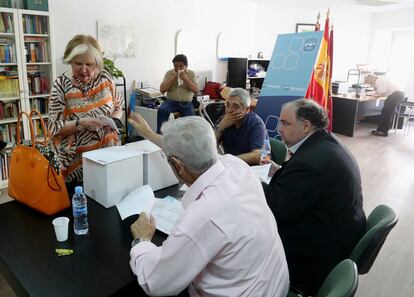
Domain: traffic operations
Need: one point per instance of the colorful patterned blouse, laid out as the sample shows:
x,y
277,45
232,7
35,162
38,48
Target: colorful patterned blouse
x,y
68,103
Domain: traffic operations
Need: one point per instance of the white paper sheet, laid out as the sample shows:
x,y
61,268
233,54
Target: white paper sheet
x,y
142,199
184,188
109,122
262,171
166,212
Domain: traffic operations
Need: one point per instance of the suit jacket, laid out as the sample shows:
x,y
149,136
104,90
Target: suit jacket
x,y
316,199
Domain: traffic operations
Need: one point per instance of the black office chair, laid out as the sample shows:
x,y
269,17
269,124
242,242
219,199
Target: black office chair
x,y
213,111
342,281
402,116
379,224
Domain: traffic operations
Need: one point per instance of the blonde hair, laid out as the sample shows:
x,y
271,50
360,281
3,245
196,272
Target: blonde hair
x,y
81,44
370,79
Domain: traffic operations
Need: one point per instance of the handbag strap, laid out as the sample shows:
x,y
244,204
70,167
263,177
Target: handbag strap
x,y
50,169
42,124
19,120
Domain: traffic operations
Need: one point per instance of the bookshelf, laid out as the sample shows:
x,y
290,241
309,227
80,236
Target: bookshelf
x,y
244,73
27,72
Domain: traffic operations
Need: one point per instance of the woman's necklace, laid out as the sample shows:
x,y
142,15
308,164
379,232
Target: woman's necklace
x,y
84,87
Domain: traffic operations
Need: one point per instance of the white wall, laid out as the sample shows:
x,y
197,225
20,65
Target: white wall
x,y
248,27
157,22
387,25
351,32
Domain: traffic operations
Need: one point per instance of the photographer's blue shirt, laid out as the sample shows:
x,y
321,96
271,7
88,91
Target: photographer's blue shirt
x,y
250,136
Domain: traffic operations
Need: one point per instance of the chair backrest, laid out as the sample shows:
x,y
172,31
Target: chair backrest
x,y
379,223
342,281
215,110
278,151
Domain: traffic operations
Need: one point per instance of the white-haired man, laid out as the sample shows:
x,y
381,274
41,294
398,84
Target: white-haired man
x,y
241,131
226,241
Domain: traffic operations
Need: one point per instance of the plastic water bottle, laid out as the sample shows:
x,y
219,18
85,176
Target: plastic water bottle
x,y
80,212
265,153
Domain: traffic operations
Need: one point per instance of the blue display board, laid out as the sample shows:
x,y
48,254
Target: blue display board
x,y
288,74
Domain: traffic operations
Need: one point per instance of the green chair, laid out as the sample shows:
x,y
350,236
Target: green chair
x,y
278,151
342,281
379,224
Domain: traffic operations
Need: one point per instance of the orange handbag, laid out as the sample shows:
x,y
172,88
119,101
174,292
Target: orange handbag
x,y
32,179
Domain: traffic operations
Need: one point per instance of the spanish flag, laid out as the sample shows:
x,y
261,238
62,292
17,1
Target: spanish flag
x,y
320,82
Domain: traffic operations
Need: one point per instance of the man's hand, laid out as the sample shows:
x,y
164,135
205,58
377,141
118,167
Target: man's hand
x,y
143,228
230,119
183,75
138,122
273,167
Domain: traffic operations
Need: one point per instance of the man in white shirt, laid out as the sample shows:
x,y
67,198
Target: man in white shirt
x,y
226,241
384,87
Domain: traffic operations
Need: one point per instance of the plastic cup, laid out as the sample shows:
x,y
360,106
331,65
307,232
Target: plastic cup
x,y
61,225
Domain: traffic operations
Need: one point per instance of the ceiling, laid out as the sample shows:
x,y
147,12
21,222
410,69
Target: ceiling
x,y
366,5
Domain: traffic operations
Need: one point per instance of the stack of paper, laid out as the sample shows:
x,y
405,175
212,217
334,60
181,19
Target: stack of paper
x,y
262,171
165,211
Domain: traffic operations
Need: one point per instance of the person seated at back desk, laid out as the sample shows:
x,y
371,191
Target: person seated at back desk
x,y
241,131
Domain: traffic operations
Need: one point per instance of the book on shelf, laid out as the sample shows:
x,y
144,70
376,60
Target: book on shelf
x,y
8,132
35,24
7,53
38,83
4,163
36,51
9,86
9,109
41,104
6,23
38,131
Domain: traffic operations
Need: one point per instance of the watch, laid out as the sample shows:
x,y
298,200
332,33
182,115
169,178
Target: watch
x,y
218,129
136,241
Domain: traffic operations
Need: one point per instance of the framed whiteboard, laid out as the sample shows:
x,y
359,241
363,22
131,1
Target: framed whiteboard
x,y
116,40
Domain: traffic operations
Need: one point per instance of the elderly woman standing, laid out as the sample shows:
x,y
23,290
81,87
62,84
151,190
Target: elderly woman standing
x,y
78,104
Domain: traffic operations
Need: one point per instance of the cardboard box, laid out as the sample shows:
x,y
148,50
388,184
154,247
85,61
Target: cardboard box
x,y
157,172
36,5
110,174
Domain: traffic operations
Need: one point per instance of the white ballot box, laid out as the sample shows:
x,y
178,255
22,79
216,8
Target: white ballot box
x,y
157,172
110,174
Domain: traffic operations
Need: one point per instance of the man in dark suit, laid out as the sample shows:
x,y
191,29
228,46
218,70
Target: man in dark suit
x,y
315,196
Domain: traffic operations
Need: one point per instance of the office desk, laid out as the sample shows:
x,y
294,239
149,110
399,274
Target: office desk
x,y
348,109
98,267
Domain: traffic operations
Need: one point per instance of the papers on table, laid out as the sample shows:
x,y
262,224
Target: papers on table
x,y
165,211
184,188
142,199
262,171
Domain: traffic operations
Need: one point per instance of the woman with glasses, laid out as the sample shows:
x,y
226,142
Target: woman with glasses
x,y
80,102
